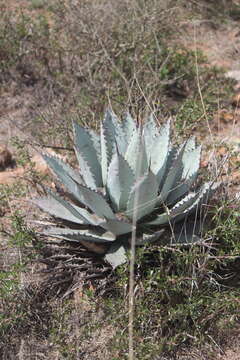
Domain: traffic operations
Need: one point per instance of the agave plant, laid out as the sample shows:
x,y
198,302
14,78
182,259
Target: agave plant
x,y
127,172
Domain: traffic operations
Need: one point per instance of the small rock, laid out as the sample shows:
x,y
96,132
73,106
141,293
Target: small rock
x,y
236,100
5,158
233,74
9,177
225,116
204,163
222,151
40,164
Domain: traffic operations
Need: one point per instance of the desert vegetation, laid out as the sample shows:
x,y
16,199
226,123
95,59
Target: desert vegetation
x,y
67,62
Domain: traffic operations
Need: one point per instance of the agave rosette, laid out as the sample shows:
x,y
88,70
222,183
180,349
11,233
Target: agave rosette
x,y
126,172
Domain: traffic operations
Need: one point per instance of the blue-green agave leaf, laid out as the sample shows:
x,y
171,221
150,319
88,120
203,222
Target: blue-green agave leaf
x,y
136,155
172,176
82,234
143,195
151,128
86,153
61,169
96,203
119,182
129,127
92,219
160,152
133,146
185,206
203,194
60,208
150,131
178,191
147,239
112,136
191,163
96,143
107,146
177,210
117,227
116,129
116,255
66,175
86,172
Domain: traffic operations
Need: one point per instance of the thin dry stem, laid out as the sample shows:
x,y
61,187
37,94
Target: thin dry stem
x,y
131,270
